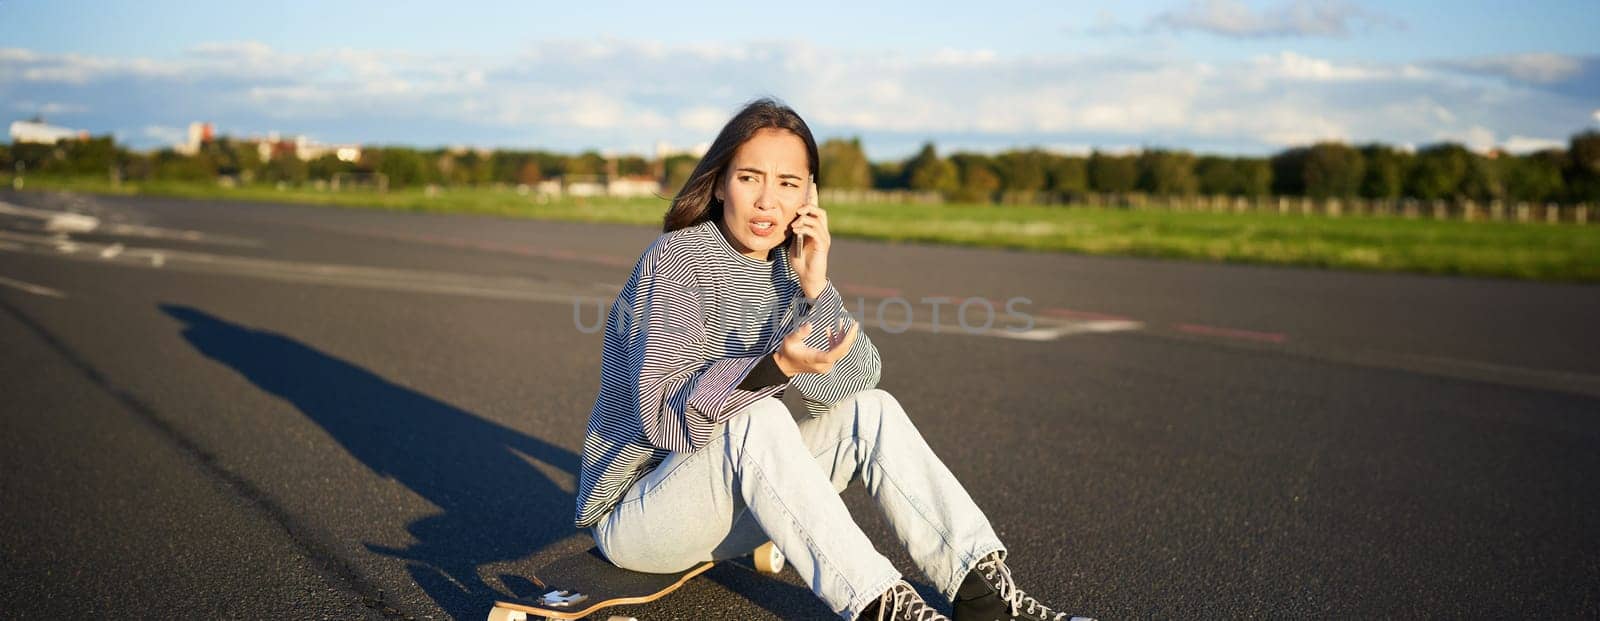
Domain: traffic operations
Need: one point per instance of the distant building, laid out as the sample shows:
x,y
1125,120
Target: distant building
x,y
584,187
37,131
307,149
303,148
549,187
633,186
199,134
274,146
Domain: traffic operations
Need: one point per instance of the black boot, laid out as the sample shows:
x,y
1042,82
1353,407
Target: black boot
x,y
900,603
988,594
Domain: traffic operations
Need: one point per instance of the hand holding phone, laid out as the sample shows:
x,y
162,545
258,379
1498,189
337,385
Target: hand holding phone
x,y
811,199
812,240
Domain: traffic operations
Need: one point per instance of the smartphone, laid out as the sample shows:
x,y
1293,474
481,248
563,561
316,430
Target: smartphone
x,y
799,238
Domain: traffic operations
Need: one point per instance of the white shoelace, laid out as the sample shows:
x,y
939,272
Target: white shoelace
x,y
901,596
997,572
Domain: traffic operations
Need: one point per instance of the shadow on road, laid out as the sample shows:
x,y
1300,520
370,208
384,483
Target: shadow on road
x,y
494,505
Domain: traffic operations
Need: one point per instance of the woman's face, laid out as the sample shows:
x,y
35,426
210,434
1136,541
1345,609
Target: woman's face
x,y
762,189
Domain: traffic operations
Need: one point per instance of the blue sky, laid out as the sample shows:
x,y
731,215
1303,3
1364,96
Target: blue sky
x,y
1230,76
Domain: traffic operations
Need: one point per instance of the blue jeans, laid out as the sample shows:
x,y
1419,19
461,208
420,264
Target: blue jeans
x,y
765,476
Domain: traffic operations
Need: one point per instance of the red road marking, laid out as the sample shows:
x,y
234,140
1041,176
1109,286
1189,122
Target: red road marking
x,y
1086,315
882,292
1251,335
954,299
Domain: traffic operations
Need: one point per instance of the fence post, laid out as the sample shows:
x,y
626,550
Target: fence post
x,y
1412,211
1334,208
1441,211
1497,210
1582,213
1523,211
1470,214
1283,205
1552,213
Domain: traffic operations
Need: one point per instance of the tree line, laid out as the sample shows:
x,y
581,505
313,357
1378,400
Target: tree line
x,y
1322,170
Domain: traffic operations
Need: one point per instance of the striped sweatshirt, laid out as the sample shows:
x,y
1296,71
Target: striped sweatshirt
x,y
691,323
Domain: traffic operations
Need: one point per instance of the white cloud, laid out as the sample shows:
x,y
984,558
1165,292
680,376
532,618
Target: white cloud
x,y
1291,66
607,93
1476,137
963,58
165,135
1298,18
1524,144
703,118
49,108
1537,68
232,49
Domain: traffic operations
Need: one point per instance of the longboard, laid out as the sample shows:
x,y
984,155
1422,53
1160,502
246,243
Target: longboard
x,y
582,584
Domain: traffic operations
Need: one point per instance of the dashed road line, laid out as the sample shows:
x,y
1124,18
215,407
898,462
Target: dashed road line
x,y
1232,333
1080,314
32,288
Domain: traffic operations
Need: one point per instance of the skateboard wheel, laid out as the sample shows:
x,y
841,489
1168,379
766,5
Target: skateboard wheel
x,y
769,559
501,614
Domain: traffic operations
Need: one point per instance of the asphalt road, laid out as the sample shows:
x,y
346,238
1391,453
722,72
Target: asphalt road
x,y
276,411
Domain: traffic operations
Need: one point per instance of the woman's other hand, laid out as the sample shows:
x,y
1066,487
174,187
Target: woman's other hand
x,y
794,356
809,255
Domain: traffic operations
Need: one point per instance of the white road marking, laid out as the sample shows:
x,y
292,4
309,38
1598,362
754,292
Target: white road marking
x,y
64,222
31,288
71,223
151,232
1044,328
1070,328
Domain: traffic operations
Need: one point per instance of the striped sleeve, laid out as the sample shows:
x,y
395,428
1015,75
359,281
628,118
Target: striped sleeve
x,y
680,395
858,370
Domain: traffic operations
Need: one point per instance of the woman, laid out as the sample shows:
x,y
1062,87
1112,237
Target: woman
x,y
691,455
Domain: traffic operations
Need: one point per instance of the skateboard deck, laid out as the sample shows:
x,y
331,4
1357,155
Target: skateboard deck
x,y
585,583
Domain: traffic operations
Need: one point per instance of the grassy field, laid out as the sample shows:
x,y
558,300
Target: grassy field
x,y
1563,252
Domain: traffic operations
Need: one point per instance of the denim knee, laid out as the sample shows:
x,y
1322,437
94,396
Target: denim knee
x,y
888,403
765,418
880,406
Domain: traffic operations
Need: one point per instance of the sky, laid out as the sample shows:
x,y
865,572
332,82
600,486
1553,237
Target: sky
x,y
1213,76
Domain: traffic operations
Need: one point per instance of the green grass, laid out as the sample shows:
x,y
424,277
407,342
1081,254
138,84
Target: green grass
x,y
1563,252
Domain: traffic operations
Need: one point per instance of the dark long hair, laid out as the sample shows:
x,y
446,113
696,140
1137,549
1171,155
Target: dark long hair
x,y
696,202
